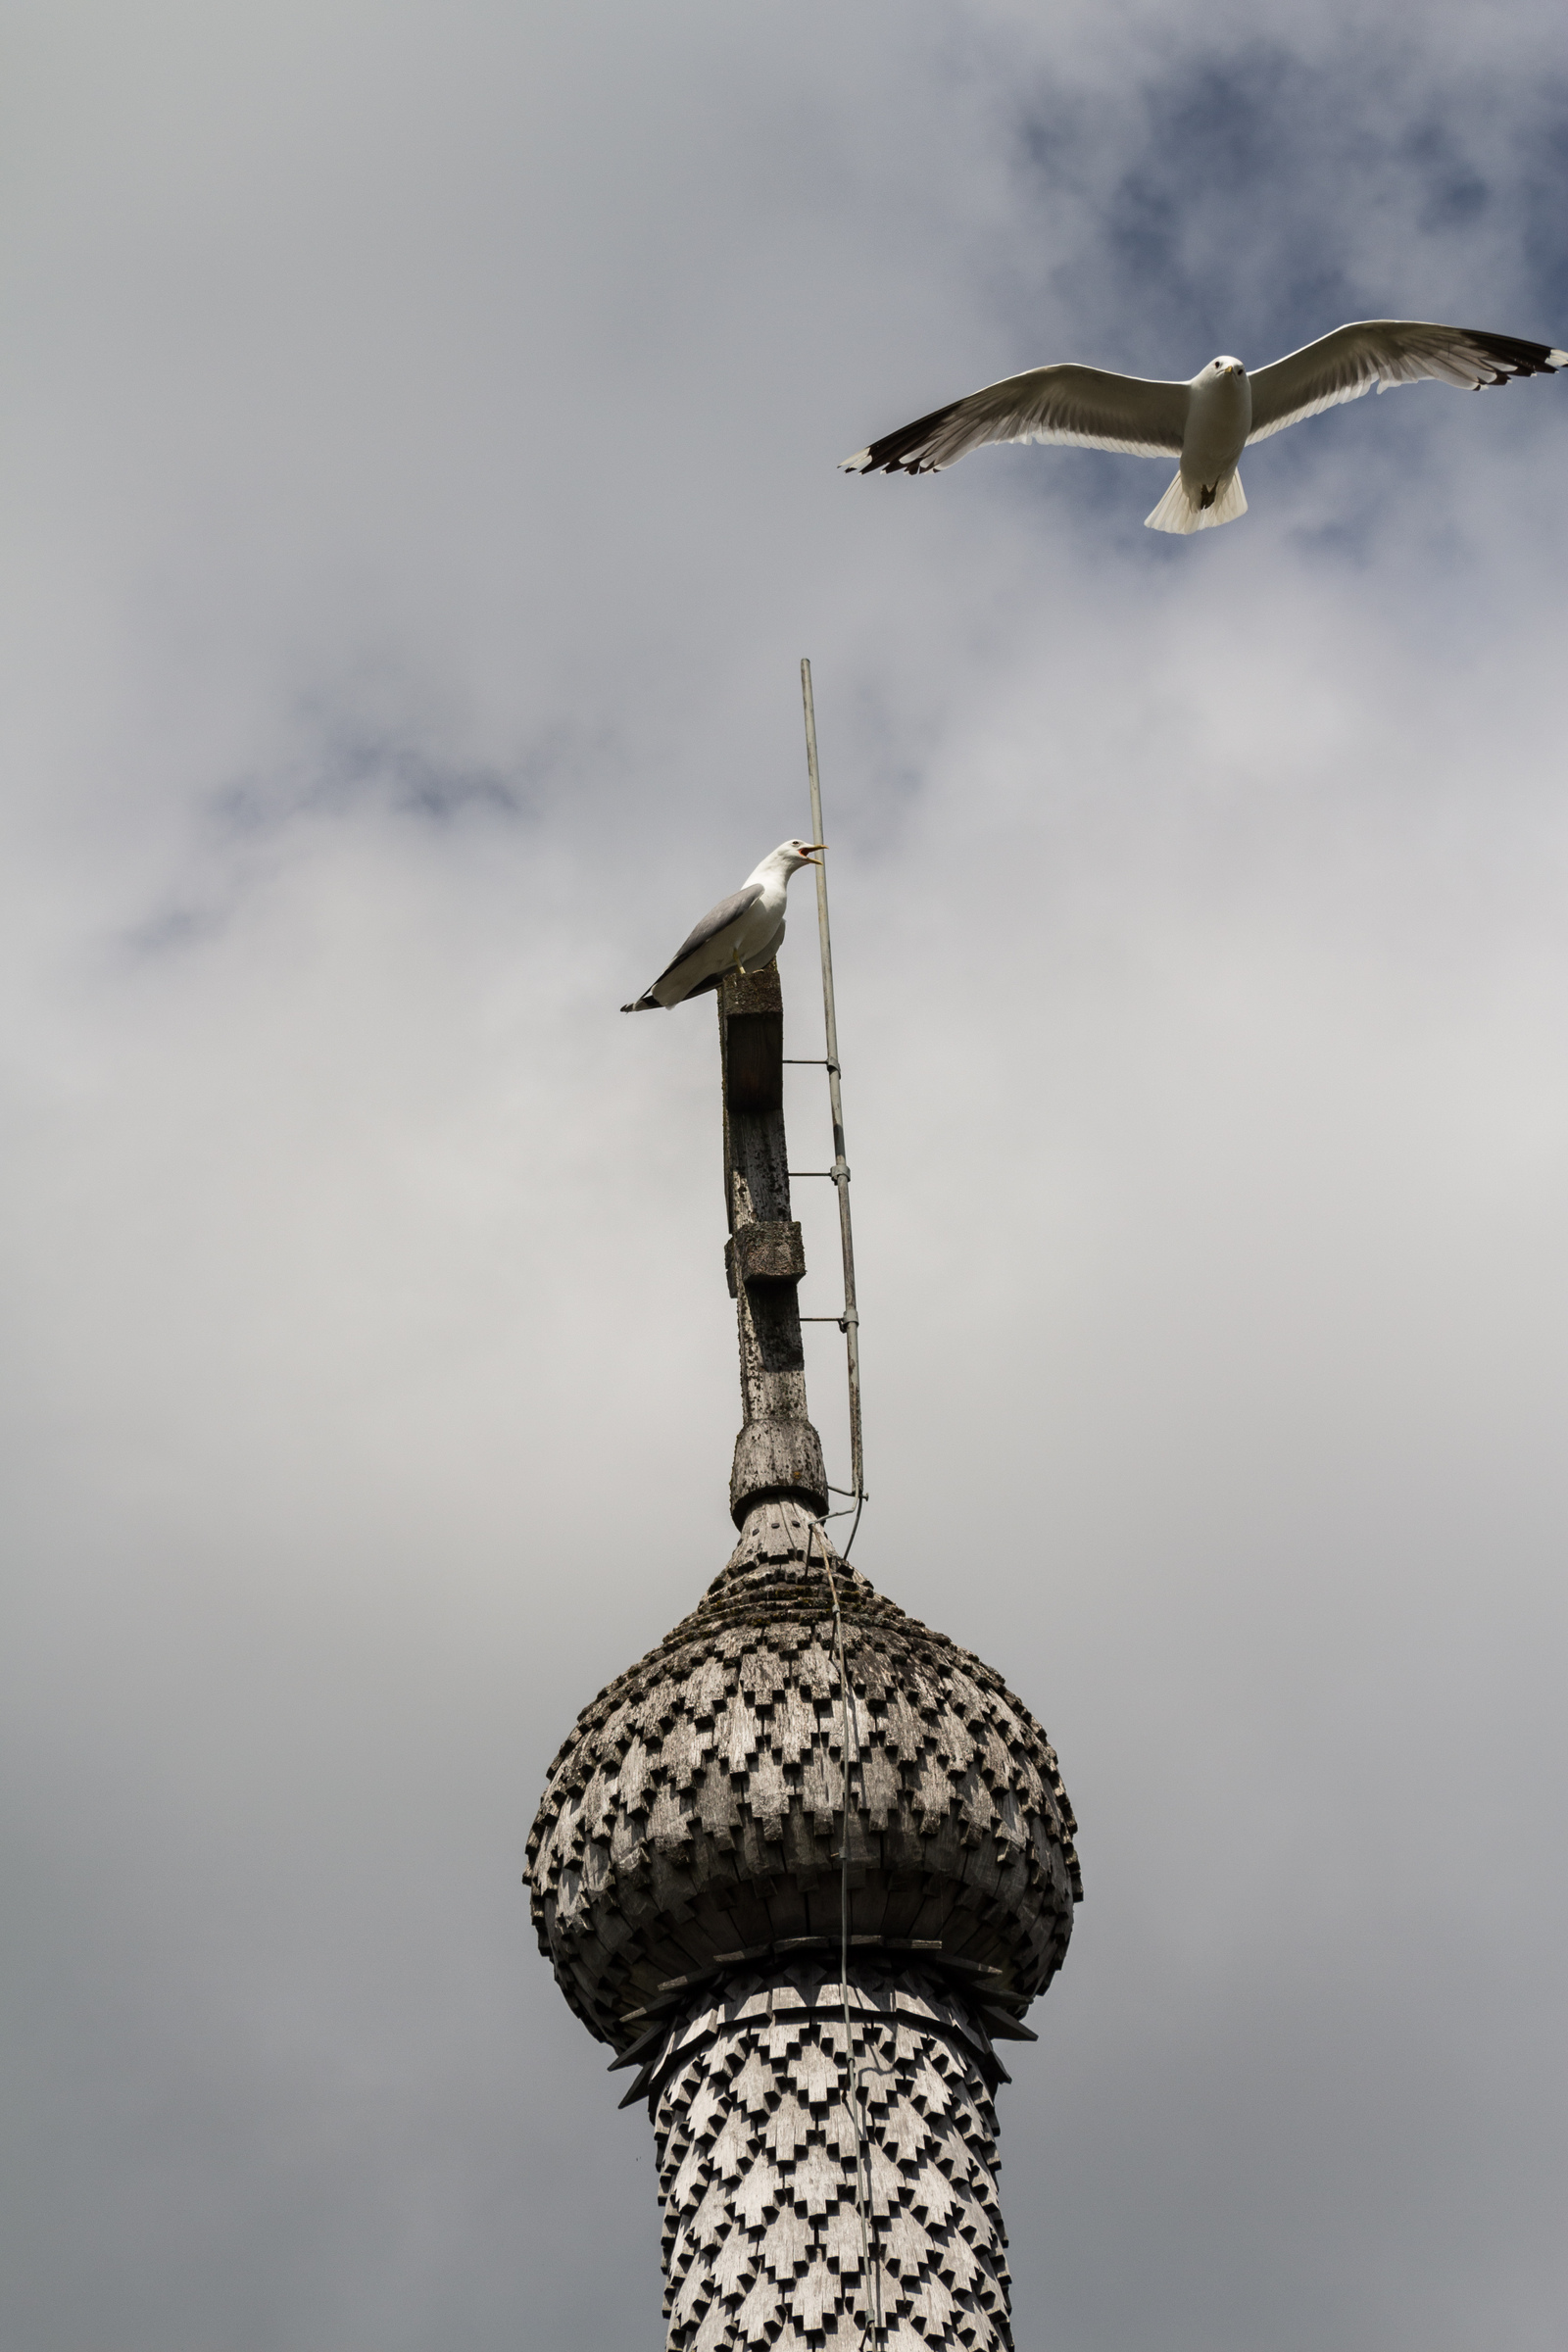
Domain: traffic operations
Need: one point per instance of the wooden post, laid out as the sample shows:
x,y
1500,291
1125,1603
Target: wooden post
x,y
778,1455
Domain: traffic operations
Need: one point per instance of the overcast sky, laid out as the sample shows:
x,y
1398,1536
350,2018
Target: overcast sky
x,y
418,488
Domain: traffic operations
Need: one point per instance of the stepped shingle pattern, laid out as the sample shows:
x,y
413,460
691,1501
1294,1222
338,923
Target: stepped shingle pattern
x,y
691,1822
762,2235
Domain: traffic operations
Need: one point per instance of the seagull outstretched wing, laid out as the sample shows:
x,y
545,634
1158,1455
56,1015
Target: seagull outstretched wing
x,y
1090,406
1375,354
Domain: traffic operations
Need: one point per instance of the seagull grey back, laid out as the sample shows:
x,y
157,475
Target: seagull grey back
x,y
741,933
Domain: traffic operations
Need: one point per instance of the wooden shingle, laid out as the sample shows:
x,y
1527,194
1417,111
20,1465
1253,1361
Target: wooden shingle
x,y
787,2220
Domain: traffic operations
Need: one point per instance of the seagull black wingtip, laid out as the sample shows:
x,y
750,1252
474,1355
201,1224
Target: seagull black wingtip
x,y
900,452
1517,357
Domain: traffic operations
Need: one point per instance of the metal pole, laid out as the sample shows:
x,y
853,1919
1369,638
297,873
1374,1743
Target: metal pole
x,y
841,1166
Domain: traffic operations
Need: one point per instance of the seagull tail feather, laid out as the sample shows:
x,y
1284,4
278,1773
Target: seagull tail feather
x,y
1180,510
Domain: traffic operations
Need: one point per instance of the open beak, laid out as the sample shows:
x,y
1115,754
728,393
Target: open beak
x,y
811,849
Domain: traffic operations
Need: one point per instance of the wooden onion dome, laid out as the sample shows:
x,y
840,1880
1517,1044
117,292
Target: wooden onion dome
x,y
691,1820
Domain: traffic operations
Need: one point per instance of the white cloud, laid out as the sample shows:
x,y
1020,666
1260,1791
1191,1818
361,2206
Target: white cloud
x,y
420,488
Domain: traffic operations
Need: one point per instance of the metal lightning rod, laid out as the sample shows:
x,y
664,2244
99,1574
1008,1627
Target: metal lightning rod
x,y
850,1321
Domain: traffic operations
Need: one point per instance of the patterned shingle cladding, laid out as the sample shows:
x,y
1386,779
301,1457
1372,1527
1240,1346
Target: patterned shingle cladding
x,y
690,1819
755,2126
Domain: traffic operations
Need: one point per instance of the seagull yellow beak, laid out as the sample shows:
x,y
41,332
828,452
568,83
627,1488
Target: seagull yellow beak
x,y
811,849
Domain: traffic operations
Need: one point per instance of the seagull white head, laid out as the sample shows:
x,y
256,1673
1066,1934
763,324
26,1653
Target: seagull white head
x,y
1226,366
793,855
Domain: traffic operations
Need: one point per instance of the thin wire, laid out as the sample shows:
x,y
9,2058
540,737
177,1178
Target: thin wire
x,y
862,2161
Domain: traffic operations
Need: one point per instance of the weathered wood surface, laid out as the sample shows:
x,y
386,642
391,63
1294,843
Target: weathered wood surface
x,y
754,2118
769,1249
695,1814
778,1452
753,1042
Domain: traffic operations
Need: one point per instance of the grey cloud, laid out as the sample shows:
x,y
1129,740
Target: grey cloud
x,y
423,428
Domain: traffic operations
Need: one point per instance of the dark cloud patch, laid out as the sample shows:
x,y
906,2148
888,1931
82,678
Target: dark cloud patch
x,y
350,765
1544,191
1259,197
1454,191
175,930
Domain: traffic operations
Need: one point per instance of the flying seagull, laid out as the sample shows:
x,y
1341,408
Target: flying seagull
x,y
740,934
1211,419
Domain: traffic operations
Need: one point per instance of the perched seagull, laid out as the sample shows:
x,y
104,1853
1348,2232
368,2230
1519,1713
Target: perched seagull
x,y
739,934
1209,420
